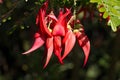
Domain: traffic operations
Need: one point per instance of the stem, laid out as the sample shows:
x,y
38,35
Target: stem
x,y
73,18
74,13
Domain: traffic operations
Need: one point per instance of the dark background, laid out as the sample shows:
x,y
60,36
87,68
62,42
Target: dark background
x,y
17,28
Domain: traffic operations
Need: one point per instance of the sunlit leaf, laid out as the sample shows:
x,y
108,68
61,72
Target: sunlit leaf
x,y
102,9
115,22
94,1
110,8
105,15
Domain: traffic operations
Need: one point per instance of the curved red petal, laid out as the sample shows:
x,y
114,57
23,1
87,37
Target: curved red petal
x,y
44,7
61,24
38,43
43,27
63,18
49,46
37,20
69,42
58,48
53,17
58,30
84,43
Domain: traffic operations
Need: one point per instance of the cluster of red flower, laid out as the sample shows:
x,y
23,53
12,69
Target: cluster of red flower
x,y
58,34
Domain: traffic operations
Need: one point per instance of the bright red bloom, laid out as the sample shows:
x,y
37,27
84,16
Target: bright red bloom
x,y
70,38
51,31
84,43
58,33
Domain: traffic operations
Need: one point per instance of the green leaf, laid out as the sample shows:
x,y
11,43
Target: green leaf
x,y
105,15
110,8
113,26
102,9
95,1
115,22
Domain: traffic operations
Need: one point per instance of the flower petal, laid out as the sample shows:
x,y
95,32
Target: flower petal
x,y
49,47
38,43
52,16
58,30
61,24
58,48
43,27
62,16
44,7
37,20
84,43
42,22
69,42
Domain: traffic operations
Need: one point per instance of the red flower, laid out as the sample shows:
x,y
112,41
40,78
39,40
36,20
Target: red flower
x,y
51,31
70,38
58,33
84,43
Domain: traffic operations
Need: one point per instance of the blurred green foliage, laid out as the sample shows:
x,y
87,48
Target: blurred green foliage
x,y
110,8
17,27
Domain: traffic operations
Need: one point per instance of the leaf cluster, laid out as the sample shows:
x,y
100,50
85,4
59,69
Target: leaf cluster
x,y
110,8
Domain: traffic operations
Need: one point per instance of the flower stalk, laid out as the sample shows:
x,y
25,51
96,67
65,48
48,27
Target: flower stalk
x,y
74,13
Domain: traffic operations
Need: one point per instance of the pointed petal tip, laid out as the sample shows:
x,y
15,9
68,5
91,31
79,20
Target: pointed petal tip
x,y
44,66
49,47
61,61
37,43
85,62
25,53
84,44
69,42
86,50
